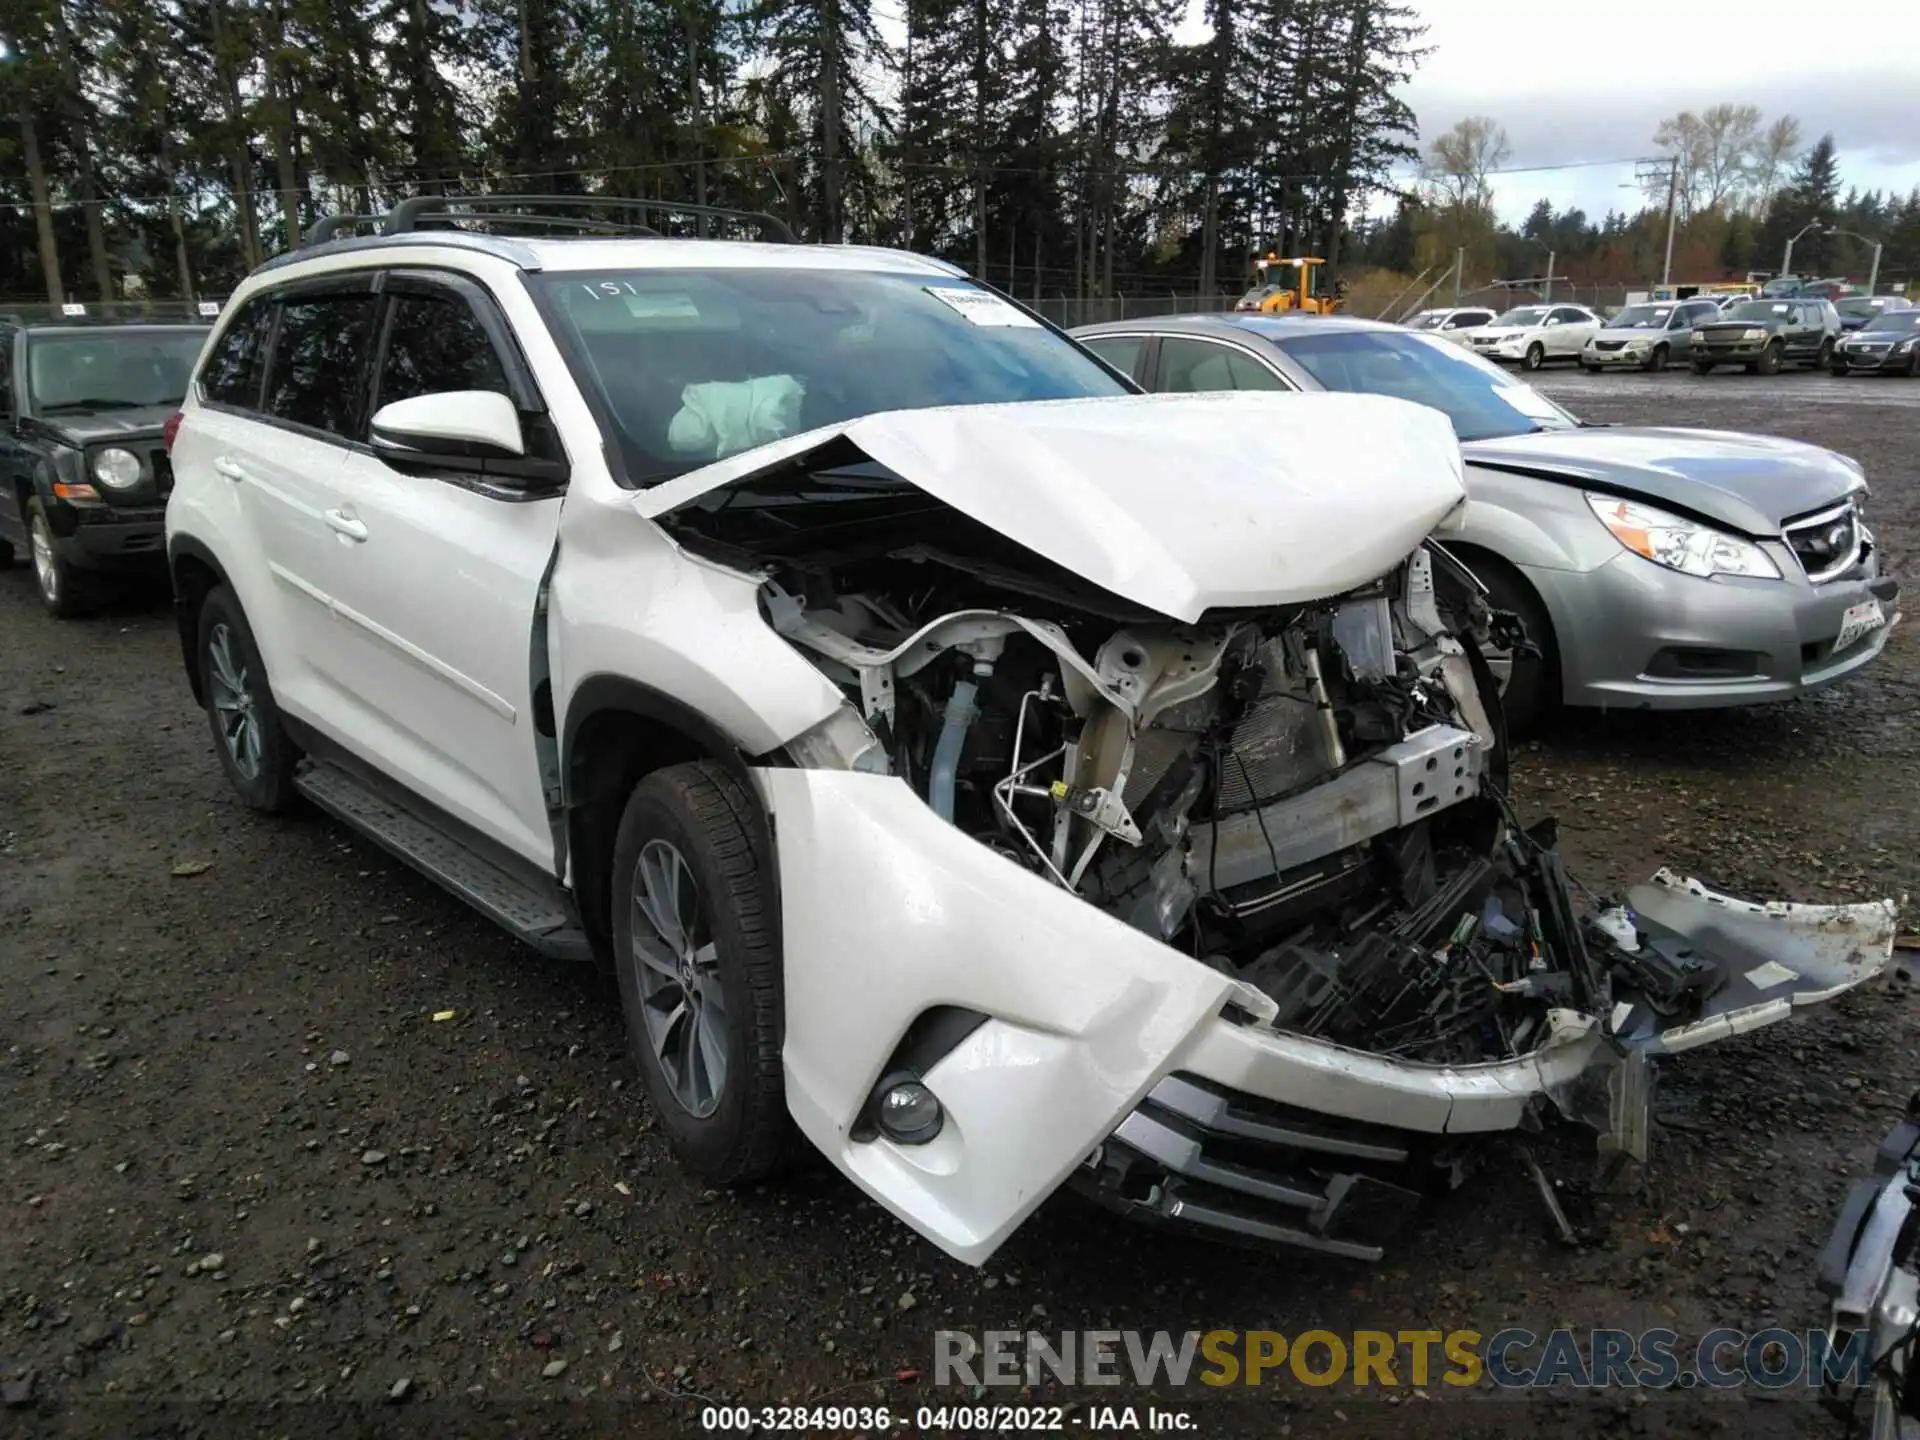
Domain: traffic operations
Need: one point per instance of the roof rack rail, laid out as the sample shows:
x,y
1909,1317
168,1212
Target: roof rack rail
x,y
329,226
407,215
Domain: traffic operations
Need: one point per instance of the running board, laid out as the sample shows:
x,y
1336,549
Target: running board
x,y
542,919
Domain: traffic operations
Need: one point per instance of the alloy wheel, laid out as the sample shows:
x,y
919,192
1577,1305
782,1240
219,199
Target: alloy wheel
x,y
676,972
46,569
233,701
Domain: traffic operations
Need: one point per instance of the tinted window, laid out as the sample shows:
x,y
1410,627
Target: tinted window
x,y
436,343
1480,399
1192,366
696,364
1570,317
1120,351
117,369
231,375
317,369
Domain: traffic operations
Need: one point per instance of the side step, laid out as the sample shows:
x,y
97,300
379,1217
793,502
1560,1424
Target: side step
x,y
541,918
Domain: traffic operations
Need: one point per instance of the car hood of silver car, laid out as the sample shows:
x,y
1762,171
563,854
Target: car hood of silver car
x,y
1747,483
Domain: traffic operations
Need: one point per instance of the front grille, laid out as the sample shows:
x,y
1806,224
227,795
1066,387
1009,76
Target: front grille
x,y
1609,344
1828,543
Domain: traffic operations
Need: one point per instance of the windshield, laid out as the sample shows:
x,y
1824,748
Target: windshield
x,y
1861,305
110,370
1428,320
1641,317
1893,320
1259,292
1481,400
1760,310
1526,315
694,365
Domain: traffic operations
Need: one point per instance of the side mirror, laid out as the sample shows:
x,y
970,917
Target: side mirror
x,y
451,424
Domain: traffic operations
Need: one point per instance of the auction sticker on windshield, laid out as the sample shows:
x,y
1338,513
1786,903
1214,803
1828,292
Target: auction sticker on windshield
x,y
1858,621
980,307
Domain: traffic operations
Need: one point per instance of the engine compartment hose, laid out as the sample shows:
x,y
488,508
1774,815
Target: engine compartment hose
x,y
960,714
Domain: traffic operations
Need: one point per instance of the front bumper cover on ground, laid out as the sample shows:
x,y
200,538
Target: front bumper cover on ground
x,y
1111,1059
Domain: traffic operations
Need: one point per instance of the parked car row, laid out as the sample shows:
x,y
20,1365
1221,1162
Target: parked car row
x,y
996,796
1760,335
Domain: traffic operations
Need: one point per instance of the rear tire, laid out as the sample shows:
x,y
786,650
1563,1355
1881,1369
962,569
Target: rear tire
x,y
247,734
1532,685
697,956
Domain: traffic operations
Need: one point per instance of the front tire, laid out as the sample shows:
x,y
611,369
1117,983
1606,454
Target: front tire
x,y
1529,685
65,592
1535,357
1769,361
1836,367
1658,360
247,734
698,962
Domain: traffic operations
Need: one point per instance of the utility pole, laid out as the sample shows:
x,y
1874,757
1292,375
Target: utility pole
x,y
1548,297
1459,264
1673,194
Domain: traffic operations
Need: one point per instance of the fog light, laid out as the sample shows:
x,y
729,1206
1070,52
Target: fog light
x,y
906,1111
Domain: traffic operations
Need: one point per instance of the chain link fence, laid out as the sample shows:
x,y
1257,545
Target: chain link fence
x,y
1068,311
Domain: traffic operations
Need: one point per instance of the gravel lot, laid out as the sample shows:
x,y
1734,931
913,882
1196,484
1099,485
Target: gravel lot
x,y
251,1185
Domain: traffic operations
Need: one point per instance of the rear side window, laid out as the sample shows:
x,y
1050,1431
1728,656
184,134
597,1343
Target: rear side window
x,y
436,343
1120,351
231,375
317,374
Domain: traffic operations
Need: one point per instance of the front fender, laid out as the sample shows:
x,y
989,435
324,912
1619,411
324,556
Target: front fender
x,y
888,911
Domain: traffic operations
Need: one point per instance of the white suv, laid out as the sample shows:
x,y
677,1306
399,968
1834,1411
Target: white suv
x,y
994,775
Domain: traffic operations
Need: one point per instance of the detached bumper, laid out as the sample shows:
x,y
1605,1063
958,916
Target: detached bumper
x,y
1634,635
1114,1061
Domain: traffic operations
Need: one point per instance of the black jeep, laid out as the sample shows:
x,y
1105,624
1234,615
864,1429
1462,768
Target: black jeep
x,y
83,460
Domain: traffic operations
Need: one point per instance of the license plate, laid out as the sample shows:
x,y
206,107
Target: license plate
x,y
1858,621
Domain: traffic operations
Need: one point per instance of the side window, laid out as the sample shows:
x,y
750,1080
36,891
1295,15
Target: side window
x,y
6,375
1190,366
437,343
1120,351
316,376
1564,316
231,375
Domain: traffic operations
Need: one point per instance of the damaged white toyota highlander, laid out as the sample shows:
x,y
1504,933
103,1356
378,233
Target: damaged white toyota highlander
x,y
1002,780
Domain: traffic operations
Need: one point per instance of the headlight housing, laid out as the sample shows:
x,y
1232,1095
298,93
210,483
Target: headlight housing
x,y
1753,334
1680,544
116,468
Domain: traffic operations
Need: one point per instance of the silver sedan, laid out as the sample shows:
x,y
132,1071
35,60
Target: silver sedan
x,y
1652,567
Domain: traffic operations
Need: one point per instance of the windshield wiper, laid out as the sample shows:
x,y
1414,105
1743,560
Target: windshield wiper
x,y
96,403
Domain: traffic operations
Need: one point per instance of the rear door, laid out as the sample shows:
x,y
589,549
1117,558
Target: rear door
x,y
437,577
1571,329
1189,364
282,397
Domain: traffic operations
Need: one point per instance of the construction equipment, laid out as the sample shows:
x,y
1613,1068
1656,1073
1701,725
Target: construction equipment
x,y
1287,285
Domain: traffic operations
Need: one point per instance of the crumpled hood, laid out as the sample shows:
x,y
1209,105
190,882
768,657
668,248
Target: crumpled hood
x,y
1748,483
1179,503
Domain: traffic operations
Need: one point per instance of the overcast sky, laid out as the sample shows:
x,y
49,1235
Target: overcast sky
x,y
1575,80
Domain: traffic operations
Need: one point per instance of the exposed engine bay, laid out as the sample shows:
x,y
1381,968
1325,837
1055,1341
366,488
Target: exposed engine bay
x,y
1309,799
1074,730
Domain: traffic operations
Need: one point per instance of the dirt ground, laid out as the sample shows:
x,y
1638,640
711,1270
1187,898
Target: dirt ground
x,y
252,1185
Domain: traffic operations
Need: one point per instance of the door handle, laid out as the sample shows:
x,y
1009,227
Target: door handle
x,y
229,467
346,525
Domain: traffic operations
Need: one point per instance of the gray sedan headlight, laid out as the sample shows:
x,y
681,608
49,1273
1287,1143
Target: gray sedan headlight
x,y
115,468
1678,543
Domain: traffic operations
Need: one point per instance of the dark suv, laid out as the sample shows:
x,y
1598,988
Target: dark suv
x,y
1763,335
83,461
